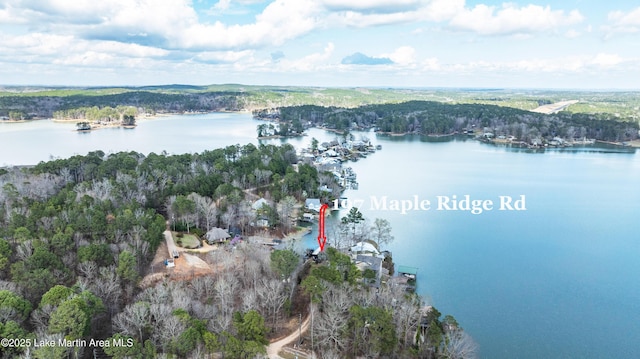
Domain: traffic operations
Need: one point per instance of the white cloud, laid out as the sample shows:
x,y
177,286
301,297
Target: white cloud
x,y
623,22
567,64
358,19
443,10
377,6
280,21
607,60
508,19
404,56
222,5
10,14
375,13
572,34
511,19
67,50
224,56
171,24
235,7
310,62
431,64
175,25
150,35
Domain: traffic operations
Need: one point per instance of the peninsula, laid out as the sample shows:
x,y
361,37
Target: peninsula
x,y
535,118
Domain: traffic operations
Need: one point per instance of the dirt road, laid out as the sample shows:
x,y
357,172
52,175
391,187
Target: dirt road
x,y
274,348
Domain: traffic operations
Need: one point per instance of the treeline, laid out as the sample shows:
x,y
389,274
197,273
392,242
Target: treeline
x,y
97,114
350,320
283,129
435,118
77,235
147,101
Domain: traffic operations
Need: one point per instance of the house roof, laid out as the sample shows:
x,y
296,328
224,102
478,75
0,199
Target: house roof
x,y
313,203
217,234
372,261
258,204
364,247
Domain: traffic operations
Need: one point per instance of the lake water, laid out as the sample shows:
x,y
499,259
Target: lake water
x,y
557,280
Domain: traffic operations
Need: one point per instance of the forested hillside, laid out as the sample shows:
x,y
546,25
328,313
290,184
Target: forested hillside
x,y
151,102
425,111
77,237
435,118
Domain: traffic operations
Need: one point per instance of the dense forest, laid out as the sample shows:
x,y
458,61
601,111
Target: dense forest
x,y
435,118
24,107
95,113
601,116
77,237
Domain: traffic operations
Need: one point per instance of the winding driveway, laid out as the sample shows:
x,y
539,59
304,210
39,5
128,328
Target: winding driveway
x,y
274,348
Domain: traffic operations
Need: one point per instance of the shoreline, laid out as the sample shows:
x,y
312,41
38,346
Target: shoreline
x,y
279,136
632,143
139,117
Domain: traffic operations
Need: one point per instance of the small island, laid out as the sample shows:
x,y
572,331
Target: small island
x,y
91,118
279,130
83,126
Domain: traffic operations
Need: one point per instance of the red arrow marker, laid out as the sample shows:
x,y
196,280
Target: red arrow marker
x,y
322,238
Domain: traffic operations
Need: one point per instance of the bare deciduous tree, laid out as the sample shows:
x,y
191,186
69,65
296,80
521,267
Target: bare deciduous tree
x,y
202,288
40,317
273,296
381,232
133,320
249,301
458,345
329,325
286,210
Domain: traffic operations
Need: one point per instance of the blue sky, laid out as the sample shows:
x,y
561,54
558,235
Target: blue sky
x,y
567,44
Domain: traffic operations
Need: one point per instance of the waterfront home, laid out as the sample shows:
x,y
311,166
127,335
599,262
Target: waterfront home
x,y
330,153
364,247
328,164
307,158
373,263
312,204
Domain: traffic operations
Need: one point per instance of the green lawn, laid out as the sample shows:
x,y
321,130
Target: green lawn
x,y
188,240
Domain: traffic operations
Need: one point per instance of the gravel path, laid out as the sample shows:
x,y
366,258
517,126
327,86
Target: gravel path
x,y
274,348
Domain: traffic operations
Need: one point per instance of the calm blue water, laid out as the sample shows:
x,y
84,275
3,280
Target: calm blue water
x,y
28,143
559,280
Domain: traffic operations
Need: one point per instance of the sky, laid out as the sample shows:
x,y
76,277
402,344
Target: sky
x,y
560,44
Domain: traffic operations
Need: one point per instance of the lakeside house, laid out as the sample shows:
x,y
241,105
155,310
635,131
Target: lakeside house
x,y
364,247
312,204
373,263
261,207
216,235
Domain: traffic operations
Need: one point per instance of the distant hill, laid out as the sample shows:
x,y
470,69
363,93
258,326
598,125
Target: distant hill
x,y
34,101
